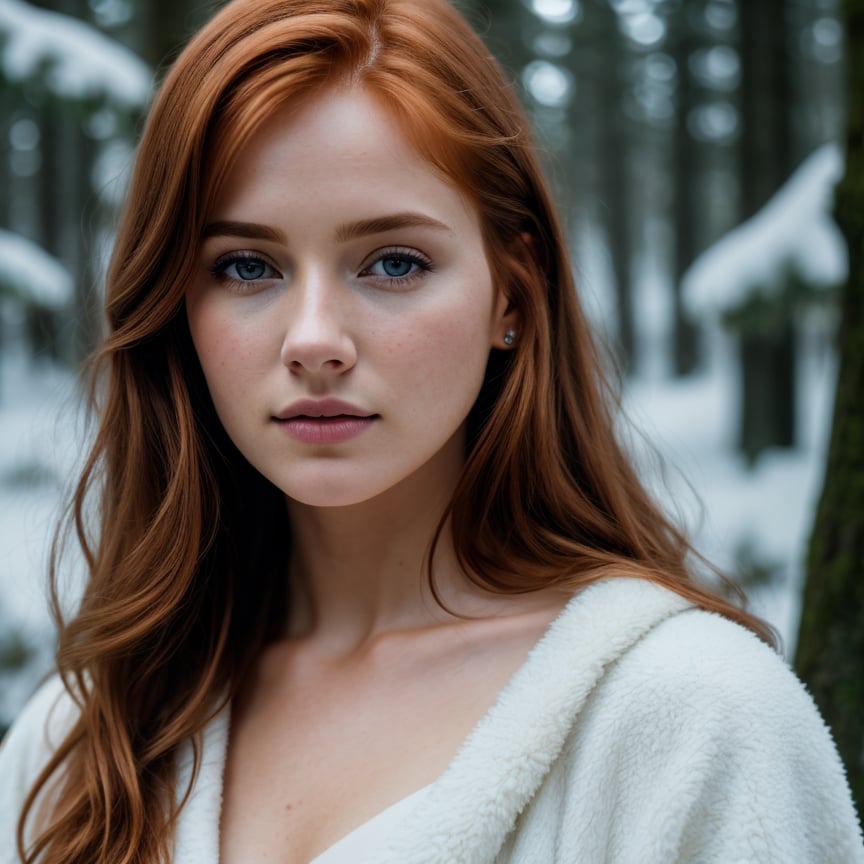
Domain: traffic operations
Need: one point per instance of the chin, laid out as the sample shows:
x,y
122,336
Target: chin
x,y
330,494
328,501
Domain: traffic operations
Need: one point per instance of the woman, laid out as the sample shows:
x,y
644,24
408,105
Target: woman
x,y
355,460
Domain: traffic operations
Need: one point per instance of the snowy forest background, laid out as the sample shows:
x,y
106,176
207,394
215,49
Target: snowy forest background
x,y
694,147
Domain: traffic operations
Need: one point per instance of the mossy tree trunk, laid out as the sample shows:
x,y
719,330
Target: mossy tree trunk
x,y
830,655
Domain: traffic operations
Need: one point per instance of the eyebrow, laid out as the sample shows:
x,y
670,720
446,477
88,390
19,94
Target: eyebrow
x,y
365,227
249,230
344,233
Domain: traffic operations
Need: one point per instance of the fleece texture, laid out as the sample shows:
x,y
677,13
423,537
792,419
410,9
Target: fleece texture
x,y
639,731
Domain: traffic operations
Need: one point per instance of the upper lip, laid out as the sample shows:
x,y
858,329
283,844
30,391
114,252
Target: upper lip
x,y
322,408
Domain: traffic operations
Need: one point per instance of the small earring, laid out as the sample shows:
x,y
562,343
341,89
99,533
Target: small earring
x,y
509,337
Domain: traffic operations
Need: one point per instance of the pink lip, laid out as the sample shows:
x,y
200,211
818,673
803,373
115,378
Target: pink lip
x,y
317,408
324,421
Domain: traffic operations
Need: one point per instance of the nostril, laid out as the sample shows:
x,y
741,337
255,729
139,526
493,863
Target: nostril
x,y
317,351
311,366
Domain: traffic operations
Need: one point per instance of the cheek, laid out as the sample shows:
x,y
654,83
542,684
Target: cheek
x,y
446,352
221,341
223,355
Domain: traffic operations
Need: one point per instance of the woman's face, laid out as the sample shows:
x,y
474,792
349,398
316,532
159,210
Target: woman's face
x,y
343,310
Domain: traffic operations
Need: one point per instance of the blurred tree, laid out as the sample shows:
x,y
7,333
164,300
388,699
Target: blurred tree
x,y
166,25
767,353
687,200
613,159
58,125
766,139
830,652
574,66
529,48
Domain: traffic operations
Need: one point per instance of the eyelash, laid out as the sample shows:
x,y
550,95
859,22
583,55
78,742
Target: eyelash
x,y
221,265
411,256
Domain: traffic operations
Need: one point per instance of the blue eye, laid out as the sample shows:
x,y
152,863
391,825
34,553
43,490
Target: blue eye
x,y
243,269
398,266
251,269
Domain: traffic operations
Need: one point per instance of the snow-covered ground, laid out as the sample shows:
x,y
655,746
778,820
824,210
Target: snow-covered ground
x,y
741,518
40,441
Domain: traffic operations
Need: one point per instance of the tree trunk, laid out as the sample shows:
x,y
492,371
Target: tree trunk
x,y
767,359
686,207
766,131
830,654
166,27
613,161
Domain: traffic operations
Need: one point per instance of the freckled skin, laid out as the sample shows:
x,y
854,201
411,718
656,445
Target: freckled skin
x,y
329,321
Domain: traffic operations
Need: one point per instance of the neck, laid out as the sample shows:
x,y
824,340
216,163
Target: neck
x,y
362,570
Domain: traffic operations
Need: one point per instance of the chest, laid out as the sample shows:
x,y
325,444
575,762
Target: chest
x,y
317,751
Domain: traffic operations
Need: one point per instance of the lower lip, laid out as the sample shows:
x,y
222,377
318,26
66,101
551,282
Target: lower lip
x,y
325,430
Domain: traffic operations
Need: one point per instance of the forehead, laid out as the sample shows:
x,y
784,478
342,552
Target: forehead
x,y
343,145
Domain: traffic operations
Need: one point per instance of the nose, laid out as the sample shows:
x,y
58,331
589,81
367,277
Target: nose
x,y
316,339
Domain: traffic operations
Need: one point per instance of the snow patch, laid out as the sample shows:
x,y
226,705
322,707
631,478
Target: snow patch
x,y
80,61
794,231
32,273
729,509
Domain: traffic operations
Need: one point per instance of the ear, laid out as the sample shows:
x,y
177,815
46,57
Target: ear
x,y
507,319
505,329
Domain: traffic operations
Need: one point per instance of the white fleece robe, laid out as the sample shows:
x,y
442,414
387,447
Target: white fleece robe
x,y
638,731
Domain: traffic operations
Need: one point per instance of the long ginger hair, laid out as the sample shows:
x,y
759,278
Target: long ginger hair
x,y
188,560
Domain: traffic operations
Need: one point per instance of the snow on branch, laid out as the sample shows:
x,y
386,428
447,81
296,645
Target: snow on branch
x,y
794,232
32,274
79,62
